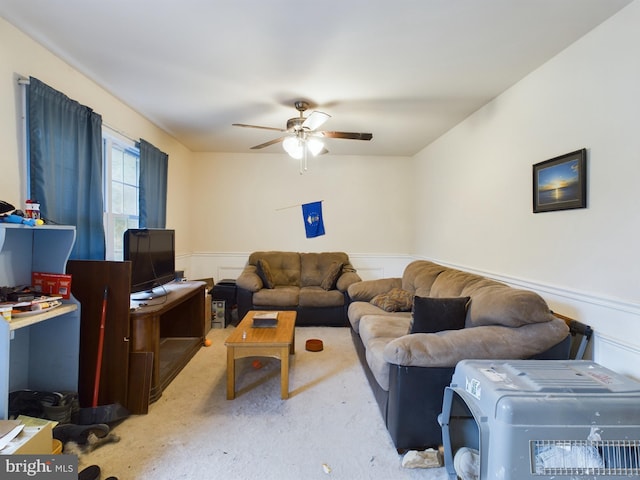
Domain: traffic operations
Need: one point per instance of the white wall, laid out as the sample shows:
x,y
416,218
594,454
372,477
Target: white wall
x,y
249,202
475,185
21,56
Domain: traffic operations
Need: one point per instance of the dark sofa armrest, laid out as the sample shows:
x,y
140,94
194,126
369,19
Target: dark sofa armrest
x,y
249,279
367,289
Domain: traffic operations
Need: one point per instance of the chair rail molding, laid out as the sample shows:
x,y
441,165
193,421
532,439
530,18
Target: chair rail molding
x,y
616,323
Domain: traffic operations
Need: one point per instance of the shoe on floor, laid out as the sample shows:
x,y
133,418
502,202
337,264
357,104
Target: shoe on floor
x,y
92,472
69,432
466,463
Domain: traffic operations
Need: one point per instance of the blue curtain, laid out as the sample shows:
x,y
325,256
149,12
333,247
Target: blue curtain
x,y
152,201
65,152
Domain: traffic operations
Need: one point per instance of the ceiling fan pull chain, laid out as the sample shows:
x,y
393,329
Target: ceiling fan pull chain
x,y
303,159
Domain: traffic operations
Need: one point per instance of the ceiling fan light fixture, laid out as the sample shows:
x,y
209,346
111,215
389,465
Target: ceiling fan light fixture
x,y
315,146
294,147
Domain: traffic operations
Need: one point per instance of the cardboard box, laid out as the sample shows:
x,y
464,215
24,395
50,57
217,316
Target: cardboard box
x,y
33,440
51,283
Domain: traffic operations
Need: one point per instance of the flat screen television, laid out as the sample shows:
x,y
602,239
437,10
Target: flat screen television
x,y
151,252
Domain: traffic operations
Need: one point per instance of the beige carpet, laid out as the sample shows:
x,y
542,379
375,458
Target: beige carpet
x,y
329,428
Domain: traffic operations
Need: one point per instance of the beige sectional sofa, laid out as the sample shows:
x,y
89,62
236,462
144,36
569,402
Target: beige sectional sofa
x,y
313,284
408,371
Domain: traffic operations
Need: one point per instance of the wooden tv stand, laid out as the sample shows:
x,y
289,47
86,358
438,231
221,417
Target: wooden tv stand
x,y
167,331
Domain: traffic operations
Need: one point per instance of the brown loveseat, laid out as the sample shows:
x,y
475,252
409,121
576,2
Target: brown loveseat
x,y
313,284
409,371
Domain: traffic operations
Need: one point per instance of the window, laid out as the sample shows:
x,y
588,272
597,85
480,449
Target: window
x,y
121,186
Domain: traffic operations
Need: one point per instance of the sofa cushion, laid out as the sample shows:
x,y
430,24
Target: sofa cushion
x,y
418,277
504,305
331,276
432,315
451,283
383,326
264,272
376,331
395,300
374,355
348,277
280,296
314,266
366,290
284,266
319,297
357,311
249,279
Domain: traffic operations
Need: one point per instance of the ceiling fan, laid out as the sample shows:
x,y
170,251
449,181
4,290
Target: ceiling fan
x,y
302,134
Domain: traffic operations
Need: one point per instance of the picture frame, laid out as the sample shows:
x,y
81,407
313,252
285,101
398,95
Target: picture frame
x,y
560,183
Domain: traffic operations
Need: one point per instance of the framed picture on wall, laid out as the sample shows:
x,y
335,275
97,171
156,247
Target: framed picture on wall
x,y
560,183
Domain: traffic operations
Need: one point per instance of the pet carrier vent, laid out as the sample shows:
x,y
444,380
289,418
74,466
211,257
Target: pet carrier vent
x,y
577,457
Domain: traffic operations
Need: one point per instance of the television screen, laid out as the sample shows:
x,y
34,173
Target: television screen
x,y
152,256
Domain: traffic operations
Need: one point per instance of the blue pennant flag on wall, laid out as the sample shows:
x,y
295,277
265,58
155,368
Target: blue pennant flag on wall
x,y
312,215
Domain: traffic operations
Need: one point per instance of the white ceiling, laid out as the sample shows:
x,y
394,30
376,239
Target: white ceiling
x,y
404,70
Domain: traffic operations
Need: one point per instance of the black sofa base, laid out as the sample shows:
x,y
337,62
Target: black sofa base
x,y
411,407
305,317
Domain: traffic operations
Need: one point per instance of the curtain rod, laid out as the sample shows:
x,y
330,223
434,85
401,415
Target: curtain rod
x,y
121,133
22,80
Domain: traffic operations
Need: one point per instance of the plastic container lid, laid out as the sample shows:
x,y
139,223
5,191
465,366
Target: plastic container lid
x,y
57,446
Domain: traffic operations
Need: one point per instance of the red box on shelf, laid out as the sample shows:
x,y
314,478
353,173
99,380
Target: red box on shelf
x,y
51,283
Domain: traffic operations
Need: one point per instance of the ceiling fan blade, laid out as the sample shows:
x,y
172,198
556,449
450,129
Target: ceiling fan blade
x,y
315,120
258,126
348,135
266,144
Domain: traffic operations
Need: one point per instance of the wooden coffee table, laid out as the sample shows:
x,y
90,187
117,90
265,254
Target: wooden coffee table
x,y
276,342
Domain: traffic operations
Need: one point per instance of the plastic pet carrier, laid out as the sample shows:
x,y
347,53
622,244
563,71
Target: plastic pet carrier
x,y
542,419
